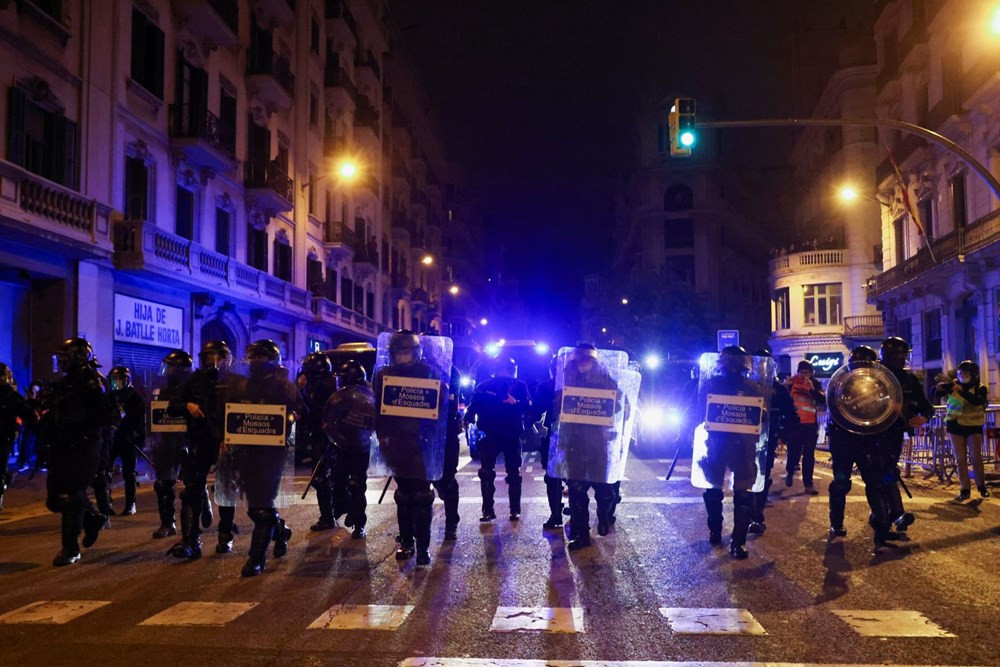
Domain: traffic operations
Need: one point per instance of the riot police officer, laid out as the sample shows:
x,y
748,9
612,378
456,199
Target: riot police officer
x,y
198,402
168,448
102,480
917,411
447,486
77,413
131,432
733,451
320,385
13,406
543,410
498,407
410,444
783,416
348,419
848,449
261,468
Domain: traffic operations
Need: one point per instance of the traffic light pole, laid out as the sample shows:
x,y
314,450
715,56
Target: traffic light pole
x,y
930,135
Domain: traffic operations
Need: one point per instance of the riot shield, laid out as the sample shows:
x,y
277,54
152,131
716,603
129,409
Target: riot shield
x,y
730,443
589,442
167,435
349,418
411,410
630,382
258,448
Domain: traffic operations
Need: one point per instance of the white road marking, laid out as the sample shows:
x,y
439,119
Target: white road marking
x,y
57,611
529,468
514,662
362,617
708,621
538,619
200,613
891,623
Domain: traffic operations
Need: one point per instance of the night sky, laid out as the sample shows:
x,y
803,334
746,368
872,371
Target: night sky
x,y
536,100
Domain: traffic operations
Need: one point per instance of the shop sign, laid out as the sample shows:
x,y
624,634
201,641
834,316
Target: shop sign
x,y
825,363
147,322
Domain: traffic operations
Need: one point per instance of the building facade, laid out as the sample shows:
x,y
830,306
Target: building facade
x,y
937,67
168,178
819,303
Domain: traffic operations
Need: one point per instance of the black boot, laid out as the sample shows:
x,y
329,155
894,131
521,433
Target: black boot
x,y
604,495
324,499
102,493
579,522
487,487
741,522
713,505
422,533
356,488
757,526
282,533
553,493
264,521
190,546
130,486
72,525
404,517
93,522
226,516
514,494
448,490
206,509
165,497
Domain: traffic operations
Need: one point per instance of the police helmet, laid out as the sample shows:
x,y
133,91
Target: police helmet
x,y
404,341
176,365
6,376
893,351
762,352
862,353
735,359
120,377
969,367
505,368
264,348
317,365
350,372
214,354
73,354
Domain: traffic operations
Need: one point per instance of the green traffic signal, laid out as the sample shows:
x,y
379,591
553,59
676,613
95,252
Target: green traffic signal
x,y
683,135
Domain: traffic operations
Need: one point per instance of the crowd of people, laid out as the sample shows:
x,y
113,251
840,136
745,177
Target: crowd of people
x,y
828,243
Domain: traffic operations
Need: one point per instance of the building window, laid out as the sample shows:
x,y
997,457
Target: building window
x,y
899,239
679,234
136,189
370,305
184,226
959,210
782,310
331,284
314,37
312,190
925,210
313,110
282,260
678,197
257,248
40,140
904,329
359,298
314,275
227,120
223,230
822,304
51,7
347,293
932,334
147,53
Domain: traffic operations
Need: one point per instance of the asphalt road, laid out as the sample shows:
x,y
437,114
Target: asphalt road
x,y
799,590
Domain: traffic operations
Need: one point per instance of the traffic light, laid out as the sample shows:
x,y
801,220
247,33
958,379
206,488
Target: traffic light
x,y
681,120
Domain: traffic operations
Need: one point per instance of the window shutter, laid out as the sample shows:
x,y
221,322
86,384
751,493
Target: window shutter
x,y
71,170
138,45
156,59
15,125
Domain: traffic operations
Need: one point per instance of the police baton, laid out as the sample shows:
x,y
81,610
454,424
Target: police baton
x,y
673,463
143,455
388,481
899,479
315,472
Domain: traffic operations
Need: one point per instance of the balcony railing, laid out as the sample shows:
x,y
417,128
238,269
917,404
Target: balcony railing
x,y
366,58
338,232
270,63
30,195
336,77
366,116
188,121
337,9
864,326
259,175
804,261
965,240
143,245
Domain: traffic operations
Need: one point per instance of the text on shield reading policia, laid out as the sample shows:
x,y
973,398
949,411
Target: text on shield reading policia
x,y
589,406
410,397
255,424
744,415
149,324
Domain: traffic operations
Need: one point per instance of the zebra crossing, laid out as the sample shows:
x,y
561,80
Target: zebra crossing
x,y
880,623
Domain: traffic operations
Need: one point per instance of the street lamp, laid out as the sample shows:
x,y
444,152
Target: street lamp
x,y
484,322
346,171
624,301
453,290
848,194
995,22
427,260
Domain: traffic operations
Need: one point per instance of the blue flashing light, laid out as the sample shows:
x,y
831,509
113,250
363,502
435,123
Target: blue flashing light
x,y
652,361
466,381
542,348
492,349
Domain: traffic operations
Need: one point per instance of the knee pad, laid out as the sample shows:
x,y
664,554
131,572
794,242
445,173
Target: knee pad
x,y
62,502
264,515
487,475
163,487
712,494
576,486
191,493
403,497
841,486
356,487
424,497
514,480
740,497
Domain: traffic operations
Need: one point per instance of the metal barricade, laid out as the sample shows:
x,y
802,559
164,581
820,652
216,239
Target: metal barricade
x,y
931,447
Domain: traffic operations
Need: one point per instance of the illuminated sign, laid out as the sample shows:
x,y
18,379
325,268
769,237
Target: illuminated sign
x,y
825,363
148,323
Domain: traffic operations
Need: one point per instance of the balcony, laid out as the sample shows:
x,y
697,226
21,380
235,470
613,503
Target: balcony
x,y
216,22
864,326
341,24
367,118
340,241
270,79
142,246
202,138
268,186
341,92
40,210
365,262
365,63
402,226
805,261
964,241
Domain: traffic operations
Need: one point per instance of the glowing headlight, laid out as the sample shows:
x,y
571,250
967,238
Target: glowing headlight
x,y
657,417
466,381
